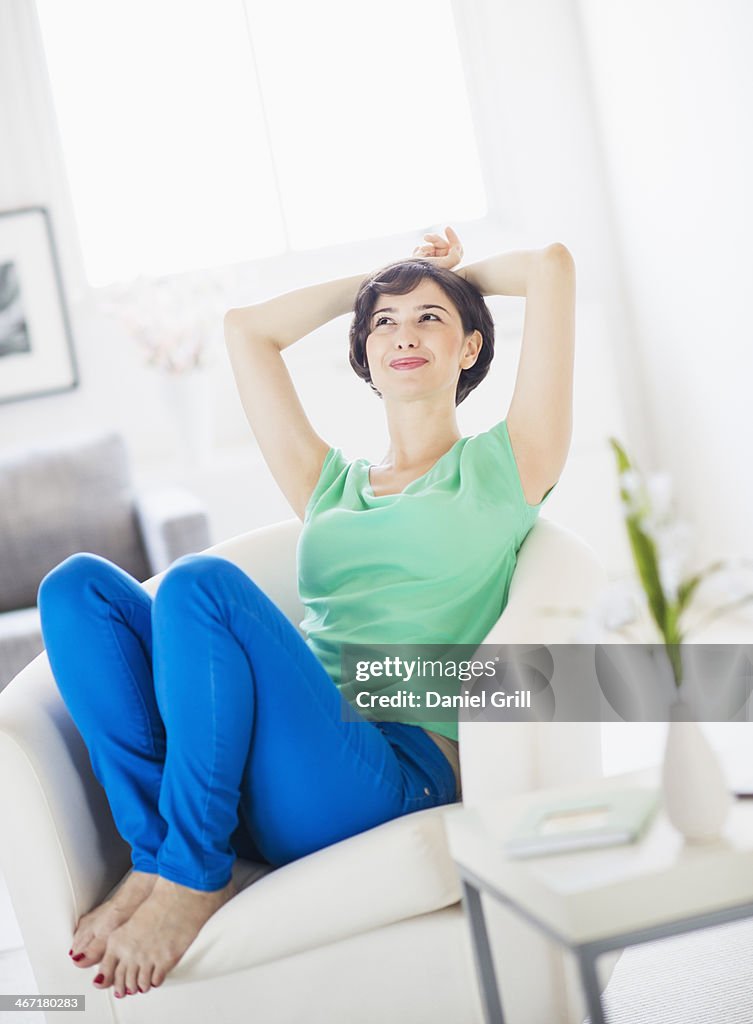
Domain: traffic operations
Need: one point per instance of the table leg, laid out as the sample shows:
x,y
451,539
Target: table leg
x,y
482,956
592,992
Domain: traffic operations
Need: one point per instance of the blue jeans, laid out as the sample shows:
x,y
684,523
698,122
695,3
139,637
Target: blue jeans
x,y
213,728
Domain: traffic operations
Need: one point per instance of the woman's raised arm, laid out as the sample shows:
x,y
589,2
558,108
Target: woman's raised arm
x,y
287,318
255,337
539,420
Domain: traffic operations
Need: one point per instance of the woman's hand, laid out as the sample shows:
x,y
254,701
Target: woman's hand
x,y
442,252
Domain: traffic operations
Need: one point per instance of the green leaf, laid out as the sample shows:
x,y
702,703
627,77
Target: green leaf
x,y
686,590
623,462
675,659
644,555
672,634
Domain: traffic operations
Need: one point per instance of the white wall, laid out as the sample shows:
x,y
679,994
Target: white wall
x,y
535,118
674,88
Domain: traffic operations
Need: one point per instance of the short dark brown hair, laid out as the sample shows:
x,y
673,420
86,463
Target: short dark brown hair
x,y
401,278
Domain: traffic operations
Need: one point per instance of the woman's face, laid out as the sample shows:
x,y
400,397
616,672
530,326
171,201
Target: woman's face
x,y
416,345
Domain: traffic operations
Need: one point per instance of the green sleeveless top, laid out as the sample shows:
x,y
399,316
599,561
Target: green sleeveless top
x,y
430,565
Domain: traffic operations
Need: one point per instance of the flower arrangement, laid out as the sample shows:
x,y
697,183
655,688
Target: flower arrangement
x,y
177,321
659,547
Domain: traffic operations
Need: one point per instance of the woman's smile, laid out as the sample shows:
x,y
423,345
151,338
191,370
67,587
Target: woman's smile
x,y
407,362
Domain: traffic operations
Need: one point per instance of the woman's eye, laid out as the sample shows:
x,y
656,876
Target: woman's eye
x,y
381,319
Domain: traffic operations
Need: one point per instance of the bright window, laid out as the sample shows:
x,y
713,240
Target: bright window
x,y
210,132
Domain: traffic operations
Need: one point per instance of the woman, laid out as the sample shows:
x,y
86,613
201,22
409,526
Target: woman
x,y
267,757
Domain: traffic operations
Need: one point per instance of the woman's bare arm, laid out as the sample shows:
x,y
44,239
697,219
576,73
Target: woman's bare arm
x,y
287,318
255,337
507,273
539,420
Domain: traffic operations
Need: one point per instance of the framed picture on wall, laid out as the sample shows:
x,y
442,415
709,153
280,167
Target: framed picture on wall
x,y
36,346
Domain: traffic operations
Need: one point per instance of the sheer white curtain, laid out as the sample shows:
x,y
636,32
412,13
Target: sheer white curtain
x,y
32,171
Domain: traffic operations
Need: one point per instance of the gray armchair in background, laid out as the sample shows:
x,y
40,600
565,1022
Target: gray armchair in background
x,y
78,496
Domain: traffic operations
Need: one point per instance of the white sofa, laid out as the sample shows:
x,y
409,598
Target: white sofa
x,y
366,931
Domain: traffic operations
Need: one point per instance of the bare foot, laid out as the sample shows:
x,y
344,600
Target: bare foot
x,y
141,952
94,929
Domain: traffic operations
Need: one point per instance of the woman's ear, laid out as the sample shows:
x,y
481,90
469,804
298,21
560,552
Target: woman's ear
x,y
473,345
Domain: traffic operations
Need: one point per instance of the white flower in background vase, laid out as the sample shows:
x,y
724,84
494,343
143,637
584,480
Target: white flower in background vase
x,y
617,607
177,322
695,792
654,605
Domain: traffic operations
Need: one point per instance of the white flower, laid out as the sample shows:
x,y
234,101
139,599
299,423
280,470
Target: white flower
x,y
675,538
672,541
176,320
669,575
659,488
631,490
630,481
617,605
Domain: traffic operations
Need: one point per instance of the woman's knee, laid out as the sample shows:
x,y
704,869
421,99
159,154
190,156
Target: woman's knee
x,y
69,578
194,574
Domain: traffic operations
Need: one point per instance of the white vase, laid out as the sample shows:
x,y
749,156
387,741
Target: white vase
x,y
696,795
188,398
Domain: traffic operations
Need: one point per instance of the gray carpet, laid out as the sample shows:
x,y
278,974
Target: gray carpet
x,y
705,977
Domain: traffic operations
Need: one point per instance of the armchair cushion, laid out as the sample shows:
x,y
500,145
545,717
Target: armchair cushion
x,y
56,501
398,870
59,836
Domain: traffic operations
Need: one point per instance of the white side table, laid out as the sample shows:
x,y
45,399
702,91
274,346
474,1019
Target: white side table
x,y
595,901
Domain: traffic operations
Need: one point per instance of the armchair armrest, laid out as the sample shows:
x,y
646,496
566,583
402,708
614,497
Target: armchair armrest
x,y
555,569
173,522
59,848
60,851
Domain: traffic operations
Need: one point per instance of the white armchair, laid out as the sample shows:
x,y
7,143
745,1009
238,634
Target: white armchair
x,y
368,930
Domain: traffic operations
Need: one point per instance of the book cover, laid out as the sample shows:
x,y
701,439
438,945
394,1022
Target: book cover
x,y
598,819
